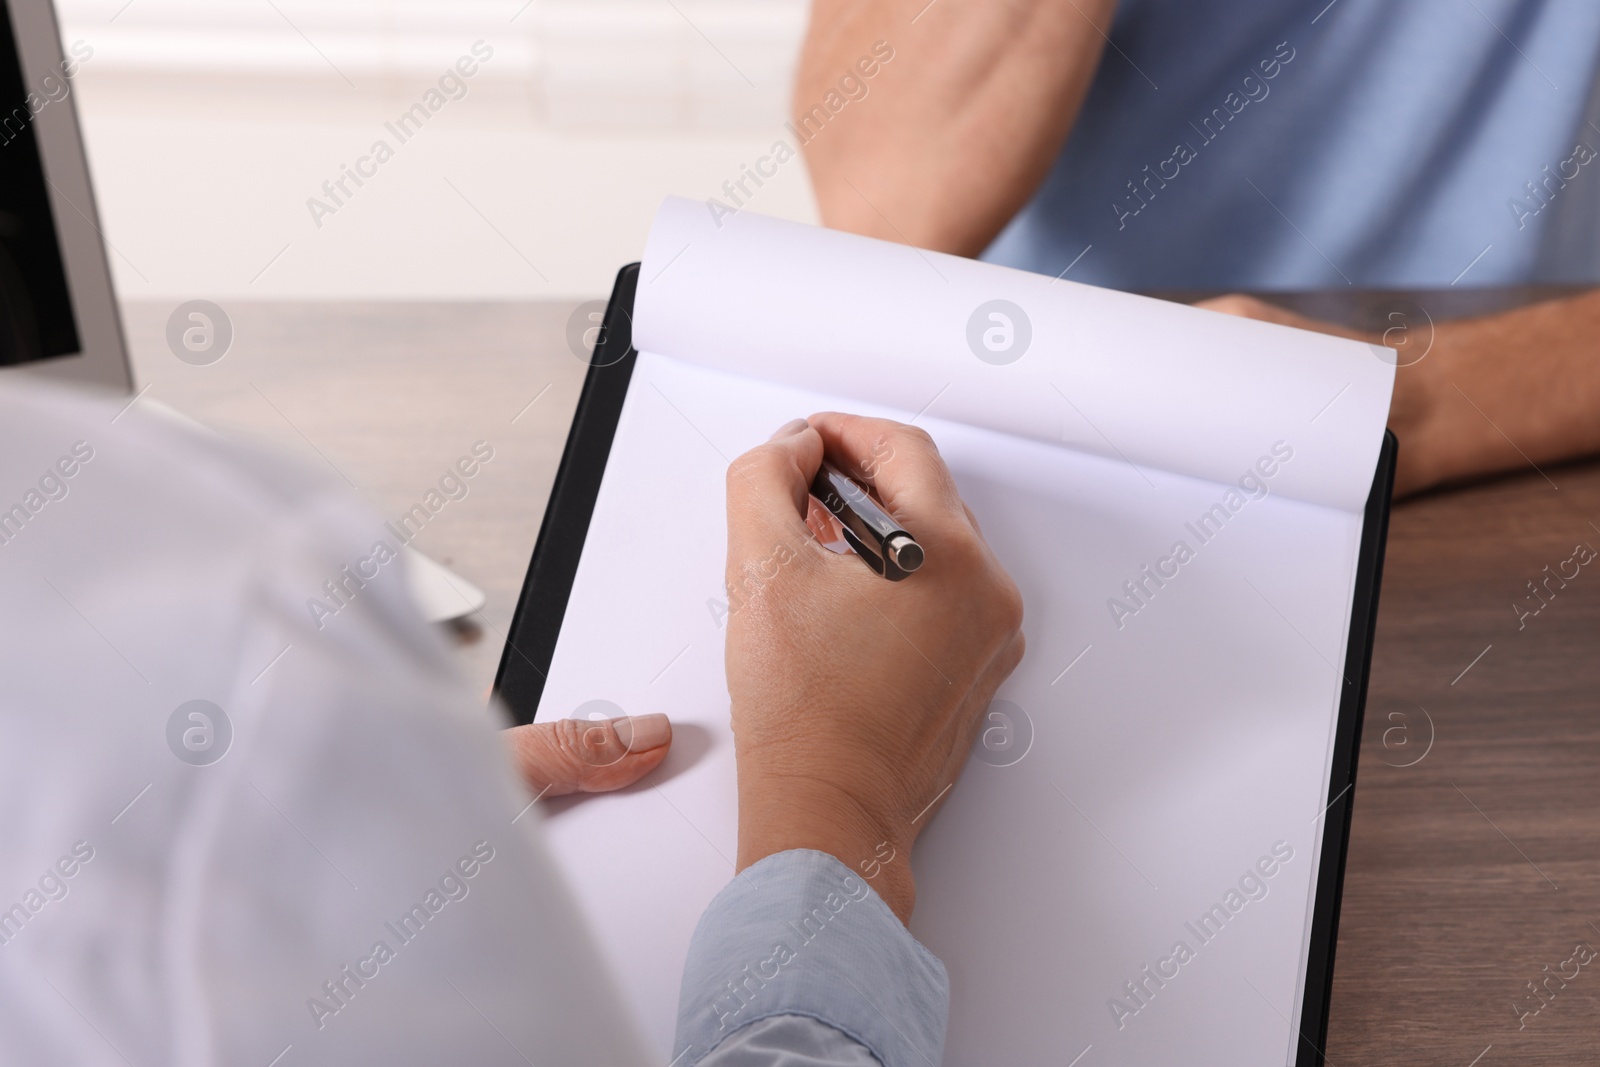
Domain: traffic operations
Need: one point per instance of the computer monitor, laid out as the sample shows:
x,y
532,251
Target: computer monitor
x,y
58,313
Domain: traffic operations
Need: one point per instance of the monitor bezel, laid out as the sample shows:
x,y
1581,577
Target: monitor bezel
x,y
102,358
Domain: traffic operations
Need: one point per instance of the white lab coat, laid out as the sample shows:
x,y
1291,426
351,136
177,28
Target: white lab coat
x,y
212,906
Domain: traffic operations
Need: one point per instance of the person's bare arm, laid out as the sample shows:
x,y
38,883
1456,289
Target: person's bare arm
x,y
1496,393
958,128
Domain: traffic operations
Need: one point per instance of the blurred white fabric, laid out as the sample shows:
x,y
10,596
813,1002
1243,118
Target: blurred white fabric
x,y
196,883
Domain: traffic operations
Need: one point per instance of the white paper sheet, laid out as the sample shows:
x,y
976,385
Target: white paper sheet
x,y
1168,755
1160,384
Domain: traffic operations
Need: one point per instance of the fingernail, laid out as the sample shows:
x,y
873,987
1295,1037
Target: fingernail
x,y
641,733
789,429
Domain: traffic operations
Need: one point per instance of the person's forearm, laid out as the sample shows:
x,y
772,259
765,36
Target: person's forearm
x,y
1500,393
953,132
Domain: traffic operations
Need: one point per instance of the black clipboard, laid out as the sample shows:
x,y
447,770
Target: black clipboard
x,y
531,641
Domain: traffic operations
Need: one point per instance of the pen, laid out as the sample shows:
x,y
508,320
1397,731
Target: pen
x,y
883,543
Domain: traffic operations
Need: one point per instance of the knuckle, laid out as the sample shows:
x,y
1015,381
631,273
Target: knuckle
x,y
1009,607
995,595
915,436
567,737
1237,304
968,552
1015,650
755,472
583,743
1003,615
743,468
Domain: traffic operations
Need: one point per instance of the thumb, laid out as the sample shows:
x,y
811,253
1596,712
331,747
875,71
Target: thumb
x,y
589,756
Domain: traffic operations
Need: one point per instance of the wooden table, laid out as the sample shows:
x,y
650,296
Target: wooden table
x,y
1475,853
388,395
1475,862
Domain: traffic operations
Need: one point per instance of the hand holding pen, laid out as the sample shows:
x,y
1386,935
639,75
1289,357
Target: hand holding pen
x,y
883,544
855,700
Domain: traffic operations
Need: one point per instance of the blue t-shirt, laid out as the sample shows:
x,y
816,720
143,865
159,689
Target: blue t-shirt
x,y
1258,145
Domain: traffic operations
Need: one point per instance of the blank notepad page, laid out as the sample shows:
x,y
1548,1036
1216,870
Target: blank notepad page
x,y
1128,864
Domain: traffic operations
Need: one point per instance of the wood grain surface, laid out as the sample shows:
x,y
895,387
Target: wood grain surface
x,y
388,396
1474,863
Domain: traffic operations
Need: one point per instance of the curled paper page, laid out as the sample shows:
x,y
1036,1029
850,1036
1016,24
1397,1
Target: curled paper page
x,y
1127,377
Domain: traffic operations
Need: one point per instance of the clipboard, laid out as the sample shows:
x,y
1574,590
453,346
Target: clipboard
x,y
542,606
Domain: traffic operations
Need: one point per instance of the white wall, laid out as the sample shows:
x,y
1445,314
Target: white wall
x,y
211,123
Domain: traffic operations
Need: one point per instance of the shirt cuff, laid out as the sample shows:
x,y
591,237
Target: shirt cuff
x,y
801,934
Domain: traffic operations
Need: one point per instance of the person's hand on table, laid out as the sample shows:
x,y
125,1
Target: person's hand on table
x,y
584,756
1489,394
856,699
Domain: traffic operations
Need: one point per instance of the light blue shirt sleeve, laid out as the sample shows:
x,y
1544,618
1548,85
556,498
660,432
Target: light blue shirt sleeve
x,y
799,963
790,1041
